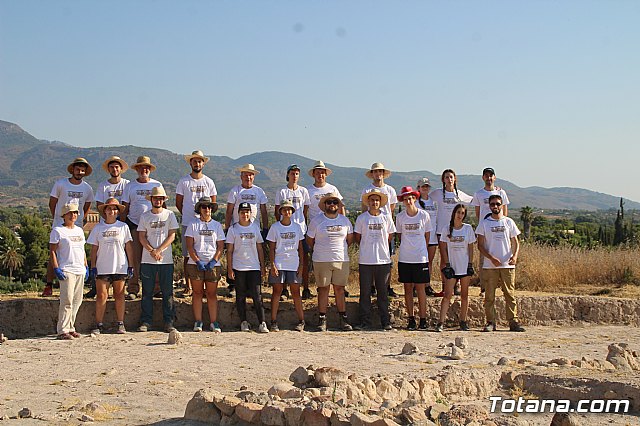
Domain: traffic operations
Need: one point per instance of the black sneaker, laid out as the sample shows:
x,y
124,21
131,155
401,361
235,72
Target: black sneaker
x,y
322,324
515,326
423,324
90,294
98,329
306,294
464,326
439,327
346,293
391,292
430,291
232,291
411,324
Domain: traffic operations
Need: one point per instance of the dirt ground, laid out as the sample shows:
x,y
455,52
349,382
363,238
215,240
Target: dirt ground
x,y
141,379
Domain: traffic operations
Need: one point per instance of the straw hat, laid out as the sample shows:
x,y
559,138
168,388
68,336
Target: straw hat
x,y
423,181
196,154
249,168
326,197
157,191
407,190
204,201
71,207
377,166
383,197
110,202
286,204
116,159
143,160
79,161
319,165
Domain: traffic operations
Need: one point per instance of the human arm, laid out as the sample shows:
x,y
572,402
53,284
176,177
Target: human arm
x,y
300,257
53,201
272,255
179,202
230,274
228,215
482,249
264,217
260,256
515,250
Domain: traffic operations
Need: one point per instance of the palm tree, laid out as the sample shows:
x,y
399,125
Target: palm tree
x,y
526,215
11,259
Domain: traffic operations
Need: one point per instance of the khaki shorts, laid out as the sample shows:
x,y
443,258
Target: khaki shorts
x,y
207,276
336,273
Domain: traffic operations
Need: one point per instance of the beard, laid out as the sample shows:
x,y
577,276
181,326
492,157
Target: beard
x,y
196,169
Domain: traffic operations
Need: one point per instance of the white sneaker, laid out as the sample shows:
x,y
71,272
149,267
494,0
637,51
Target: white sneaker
x,y
244,326
197,326
262,328
215,327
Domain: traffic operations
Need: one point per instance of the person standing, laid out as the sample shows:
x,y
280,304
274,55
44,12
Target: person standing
x,y
498,243
329,236
69,262
373,232
136,202
426,203
111,252
157,230
72,190
189,190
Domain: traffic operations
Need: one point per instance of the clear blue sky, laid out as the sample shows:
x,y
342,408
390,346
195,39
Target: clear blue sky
x,y
546,92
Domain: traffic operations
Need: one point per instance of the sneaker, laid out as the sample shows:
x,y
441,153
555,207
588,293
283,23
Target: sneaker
x,y
515,326
344,324
48,291
423,324
274,326
387,327
464,326
391,292
306,294
439,327
489,327
411,324
363,327
456,289
244,326
132,296
121,329
430,291
99,329
90,294
300,326
144,327
215,327
168,327
322,324
197,326
232,292
262,328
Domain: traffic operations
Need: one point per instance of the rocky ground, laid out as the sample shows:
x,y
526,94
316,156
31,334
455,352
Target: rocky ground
x,y
141,379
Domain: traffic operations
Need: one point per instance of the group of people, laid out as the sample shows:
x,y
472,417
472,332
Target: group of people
x,y
132,244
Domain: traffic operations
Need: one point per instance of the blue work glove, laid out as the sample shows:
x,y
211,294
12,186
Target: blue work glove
x,y
130,272
212,264
470,271
59,274
87,273
93,273
201,265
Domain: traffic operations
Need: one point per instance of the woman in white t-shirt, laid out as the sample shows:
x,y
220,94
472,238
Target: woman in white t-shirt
x,y
286,253
205,245
69,262
426,203
456,246
112,261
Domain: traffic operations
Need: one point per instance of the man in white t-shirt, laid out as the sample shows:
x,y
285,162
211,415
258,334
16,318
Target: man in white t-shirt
x,y
189,190
135,201
72,190
498,243
251,194
115,185
156,231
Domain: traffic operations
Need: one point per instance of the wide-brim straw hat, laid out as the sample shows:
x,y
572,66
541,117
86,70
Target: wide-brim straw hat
x,y
286,204
143,160
82,161
157,191
408,190
249,168
377,166
319,165
326,197
196,154
111,202
383,197
115,159
71,207
204,201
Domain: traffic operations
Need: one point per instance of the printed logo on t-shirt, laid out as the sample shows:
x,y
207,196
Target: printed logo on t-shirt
x,y
143,192
110,234
75,239
334,228
158,224
457,239
450,201
375,226
430,208
247,236
114,193
75,194
411,226
197,188
288,235
498,228
318,196
207,232
249,198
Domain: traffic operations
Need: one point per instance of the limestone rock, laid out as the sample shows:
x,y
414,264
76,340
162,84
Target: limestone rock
x,y
368,388
386,390
273,415
504,361
622,357
339,419
559,361
175,337
565,419
361,419
301,376
226,404
464,414
456,353
25,413
316,416
461,342
249,412
201,408
329,376
428,390
415,415
86,418
409,349
468,384
406,390
285,390
293,414
435,410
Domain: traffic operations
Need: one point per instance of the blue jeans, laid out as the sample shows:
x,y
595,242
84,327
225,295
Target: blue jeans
x,y
164,273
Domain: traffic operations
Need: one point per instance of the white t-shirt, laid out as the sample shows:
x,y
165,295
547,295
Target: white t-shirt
x,y
458,247
300,198
389,192
374,242
413,246
431,208
481,199
157,227
111,240
68,193
135,194
70,252
245,249
205,238
315,194
108,190
446,206
498,234
255,196
287,239
192,190
330,237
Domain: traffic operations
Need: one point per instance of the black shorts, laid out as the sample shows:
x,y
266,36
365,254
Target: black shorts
x,y
417,273
111,278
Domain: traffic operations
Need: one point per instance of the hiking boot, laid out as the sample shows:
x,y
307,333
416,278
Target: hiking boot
x,y
300,326
391,292
490,326
456,289
430,291
344,324
215,327
121,329
346,293
98,329
306,294
515,326
387,327
48,291
439,327
144,327
274,327
322,325
90,294
262,328
423,324
411,324
168,327
244,326
464,326
197,326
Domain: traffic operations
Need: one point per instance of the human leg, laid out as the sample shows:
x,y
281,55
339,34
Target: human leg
x,y
364,301
102,293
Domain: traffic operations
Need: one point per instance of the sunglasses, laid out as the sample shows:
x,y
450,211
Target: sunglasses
x,y
205,206
332,202
495,204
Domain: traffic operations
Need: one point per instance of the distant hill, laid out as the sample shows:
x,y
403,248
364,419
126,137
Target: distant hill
x,y
28,168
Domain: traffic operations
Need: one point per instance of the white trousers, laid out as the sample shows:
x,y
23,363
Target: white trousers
x,y
70,301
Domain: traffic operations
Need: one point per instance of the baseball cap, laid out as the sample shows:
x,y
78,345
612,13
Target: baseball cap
x,y
244,206
488,170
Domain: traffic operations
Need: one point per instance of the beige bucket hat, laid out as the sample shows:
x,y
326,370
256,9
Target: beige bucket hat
x,y
377,166
383,197
249,168
82,161
116,159
319,165
196,154
71,207
286,204
143,160
157,191
110,203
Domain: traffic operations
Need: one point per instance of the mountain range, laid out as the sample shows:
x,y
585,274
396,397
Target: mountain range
x,y
29,167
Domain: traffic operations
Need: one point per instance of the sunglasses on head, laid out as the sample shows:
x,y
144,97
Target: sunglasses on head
x,y
495,204
332,202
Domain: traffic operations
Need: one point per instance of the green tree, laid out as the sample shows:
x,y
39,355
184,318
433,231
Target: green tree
x,y
11,259
35,236
526,215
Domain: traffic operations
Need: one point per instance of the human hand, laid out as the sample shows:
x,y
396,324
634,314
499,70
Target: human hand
x,y
59,274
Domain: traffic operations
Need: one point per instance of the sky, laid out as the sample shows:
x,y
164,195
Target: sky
x,y
545,92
